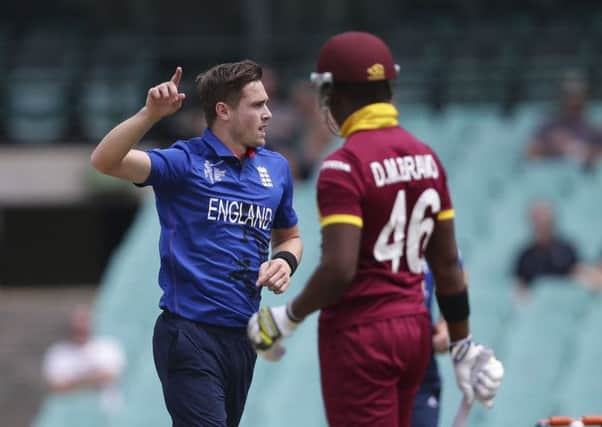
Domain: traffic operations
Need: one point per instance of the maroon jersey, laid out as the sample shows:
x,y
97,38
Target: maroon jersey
x,y
394,187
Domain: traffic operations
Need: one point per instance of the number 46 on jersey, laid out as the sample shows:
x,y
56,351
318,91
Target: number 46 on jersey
x,y
419,229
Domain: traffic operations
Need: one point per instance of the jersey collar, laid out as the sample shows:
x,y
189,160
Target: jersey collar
x,y
373,116
220,148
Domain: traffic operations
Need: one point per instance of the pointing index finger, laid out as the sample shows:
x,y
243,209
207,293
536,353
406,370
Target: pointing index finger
x,y
177,76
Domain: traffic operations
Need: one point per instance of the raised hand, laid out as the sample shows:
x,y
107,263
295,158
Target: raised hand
x,y
164,99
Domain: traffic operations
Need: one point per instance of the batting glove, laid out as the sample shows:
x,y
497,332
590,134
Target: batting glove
x,y
266,330
478,373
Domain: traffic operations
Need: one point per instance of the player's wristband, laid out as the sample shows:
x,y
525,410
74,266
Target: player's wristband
x,y
454,308
459,348
290,259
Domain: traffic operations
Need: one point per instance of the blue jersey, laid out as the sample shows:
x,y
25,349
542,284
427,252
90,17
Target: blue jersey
x,y
216,214
428,288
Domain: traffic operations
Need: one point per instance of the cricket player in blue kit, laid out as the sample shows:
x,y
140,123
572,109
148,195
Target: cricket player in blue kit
x,y
425,412
221,199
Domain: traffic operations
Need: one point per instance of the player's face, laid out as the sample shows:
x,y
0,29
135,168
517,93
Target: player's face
x,y
250,118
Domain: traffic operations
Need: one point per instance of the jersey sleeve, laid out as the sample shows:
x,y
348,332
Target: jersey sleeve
x,y
447,209
167,165
340,191
285,214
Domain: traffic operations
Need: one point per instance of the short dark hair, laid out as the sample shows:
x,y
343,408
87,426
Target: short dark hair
x,y
224,83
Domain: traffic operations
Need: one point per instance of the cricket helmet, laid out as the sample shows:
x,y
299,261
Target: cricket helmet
x,y
354,57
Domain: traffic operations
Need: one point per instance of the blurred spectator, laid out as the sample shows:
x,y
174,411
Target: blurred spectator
x,y
569,134
297,129
597,267
550,255
83,361
188,123
282,127
314,133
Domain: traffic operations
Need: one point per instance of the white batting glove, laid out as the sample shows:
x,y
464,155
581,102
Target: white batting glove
x,y
266,330
478,373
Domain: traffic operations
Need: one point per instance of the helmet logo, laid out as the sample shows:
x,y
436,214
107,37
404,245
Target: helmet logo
x,y
376,72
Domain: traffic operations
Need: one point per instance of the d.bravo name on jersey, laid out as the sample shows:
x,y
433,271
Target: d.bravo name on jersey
x,y
404,169
239,212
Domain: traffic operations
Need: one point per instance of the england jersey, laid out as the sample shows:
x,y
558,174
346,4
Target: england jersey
x,y
217,214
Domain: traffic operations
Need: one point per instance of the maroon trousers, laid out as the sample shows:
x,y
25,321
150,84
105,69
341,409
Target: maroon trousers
x,y
371,372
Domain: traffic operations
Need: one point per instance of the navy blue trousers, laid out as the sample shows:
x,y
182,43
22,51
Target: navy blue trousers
x,y
425,412
426,406
205,371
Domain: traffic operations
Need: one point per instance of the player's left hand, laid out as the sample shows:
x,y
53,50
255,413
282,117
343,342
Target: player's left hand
x,y
266,330
440,337
478,373
275,274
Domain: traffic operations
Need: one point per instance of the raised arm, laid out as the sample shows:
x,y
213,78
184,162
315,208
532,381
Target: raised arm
x,y
114,155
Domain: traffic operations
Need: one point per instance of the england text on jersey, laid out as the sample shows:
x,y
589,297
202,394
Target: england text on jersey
x,y
238,212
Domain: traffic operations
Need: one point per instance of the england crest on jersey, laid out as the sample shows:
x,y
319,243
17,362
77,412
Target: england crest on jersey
x,y
212,173
266,179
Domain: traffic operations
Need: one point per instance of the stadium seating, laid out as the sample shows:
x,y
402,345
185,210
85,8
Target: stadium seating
x,y
116,84
62,410
581,392
4,60
550,346
39,86
88,79
539,341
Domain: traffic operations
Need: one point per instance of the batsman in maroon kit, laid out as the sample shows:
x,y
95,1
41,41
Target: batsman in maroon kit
x,y
384,206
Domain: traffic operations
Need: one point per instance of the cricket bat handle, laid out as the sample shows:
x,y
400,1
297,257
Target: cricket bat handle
x,y
461,418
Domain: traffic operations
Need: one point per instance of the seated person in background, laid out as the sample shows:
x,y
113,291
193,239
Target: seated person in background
x,y
83,361
569,134
425,412
550,255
